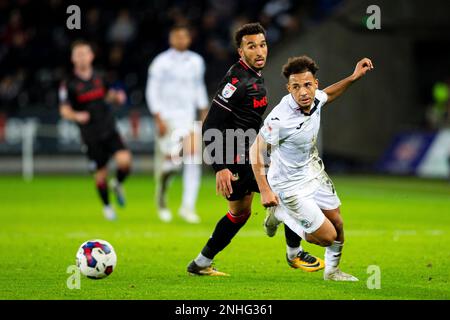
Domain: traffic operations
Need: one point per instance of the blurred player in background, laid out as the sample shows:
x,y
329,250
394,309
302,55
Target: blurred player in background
x,y
175,91
85,100
297,180
238,106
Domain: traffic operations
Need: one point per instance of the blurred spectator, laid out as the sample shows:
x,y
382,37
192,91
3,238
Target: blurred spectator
x,y
15,35
123,29
276,17
438,114
34,38
10,87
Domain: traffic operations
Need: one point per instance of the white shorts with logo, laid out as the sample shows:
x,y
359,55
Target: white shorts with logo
x,y
301,209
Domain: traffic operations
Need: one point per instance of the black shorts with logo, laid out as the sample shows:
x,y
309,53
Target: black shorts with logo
x,y
101,150
246,183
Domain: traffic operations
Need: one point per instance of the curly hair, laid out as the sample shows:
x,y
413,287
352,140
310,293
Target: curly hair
x,y
299,65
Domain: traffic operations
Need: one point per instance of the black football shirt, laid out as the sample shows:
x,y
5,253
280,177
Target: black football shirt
x,y
89,95
237,106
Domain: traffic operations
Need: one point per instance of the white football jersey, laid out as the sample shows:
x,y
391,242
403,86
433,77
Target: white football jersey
x,y
175,86
293,135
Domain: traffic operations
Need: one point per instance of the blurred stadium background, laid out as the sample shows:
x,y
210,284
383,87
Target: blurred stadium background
x,y
395,121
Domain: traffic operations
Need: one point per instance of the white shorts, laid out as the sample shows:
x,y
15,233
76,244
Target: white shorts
x,y
171,144
301,209
169,148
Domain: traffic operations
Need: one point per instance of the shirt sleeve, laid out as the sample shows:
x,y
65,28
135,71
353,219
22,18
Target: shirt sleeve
x,y
65,94
322,96
270,131
201,94
229,96
153,88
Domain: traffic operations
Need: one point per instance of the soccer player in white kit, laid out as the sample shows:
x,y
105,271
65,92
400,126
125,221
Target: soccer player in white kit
x,y
297,189
175,92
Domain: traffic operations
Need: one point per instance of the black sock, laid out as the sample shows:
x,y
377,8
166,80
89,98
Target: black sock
x,y
292,239
102,189
122,174
225,230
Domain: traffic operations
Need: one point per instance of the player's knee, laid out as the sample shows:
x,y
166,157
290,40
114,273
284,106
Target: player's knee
x,y
328,239
124,159
100,178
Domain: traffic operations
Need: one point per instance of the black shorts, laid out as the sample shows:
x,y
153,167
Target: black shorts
x,y
246,183
100,151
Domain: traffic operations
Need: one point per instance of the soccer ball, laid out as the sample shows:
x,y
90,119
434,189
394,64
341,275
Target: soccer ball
x,y
96,259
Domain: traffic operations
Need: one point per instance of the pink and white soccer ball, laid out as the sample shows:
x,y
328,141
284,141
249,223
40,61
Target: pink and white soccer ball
x,y
96,259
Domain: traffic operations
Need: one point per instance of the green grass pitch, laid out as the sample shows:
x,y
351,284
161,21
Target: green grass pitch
x,y
401,225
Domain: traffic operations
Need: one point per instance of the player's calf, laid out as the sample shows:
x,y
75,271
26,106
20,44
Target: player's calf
x,y
118,192
324,236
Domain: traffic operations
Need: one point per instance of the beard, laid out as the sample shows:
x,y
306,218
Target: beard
x,y
253,65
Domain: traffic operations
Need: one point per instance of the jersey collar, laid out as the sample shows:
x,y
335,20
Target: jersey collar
x,y
177,53
294,105
247,67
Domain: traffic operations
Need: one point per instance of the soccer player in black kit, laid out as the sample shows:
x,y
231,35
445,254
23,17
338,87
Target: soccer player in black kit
x,y
239,104
85,100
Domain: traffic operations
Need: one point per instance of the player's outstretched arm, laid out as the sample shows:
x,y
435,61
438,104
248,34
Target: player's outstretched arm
x,y
335,90
268,198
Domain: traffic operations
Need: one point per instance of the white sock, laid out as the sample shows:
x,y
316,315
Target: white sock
x,y
333,255
202,261
191,183
293,252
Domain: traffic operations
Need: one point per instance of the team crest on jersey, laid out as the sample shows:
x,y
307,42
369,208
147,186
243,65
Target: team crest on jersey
x,y
228,90
305,223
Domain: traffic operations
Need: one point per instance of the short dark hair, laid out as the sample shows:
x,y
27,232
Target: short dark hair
x,y
180,26
299,65
80,42
247,29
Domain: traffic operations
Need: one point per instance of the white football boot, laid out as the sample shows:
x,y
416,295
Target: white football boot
x,y
335,274
271,222
165,214
189,215
109,213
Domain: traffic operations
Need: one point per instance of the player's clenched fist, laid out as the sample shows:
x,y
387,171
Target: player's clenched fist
x,y
269,198
362,67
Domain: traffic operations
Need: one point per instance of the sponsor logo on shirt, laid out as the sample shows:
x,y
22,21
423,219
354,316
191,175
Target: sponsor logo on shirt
x,y
91,95
259,103
228,90
222,98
